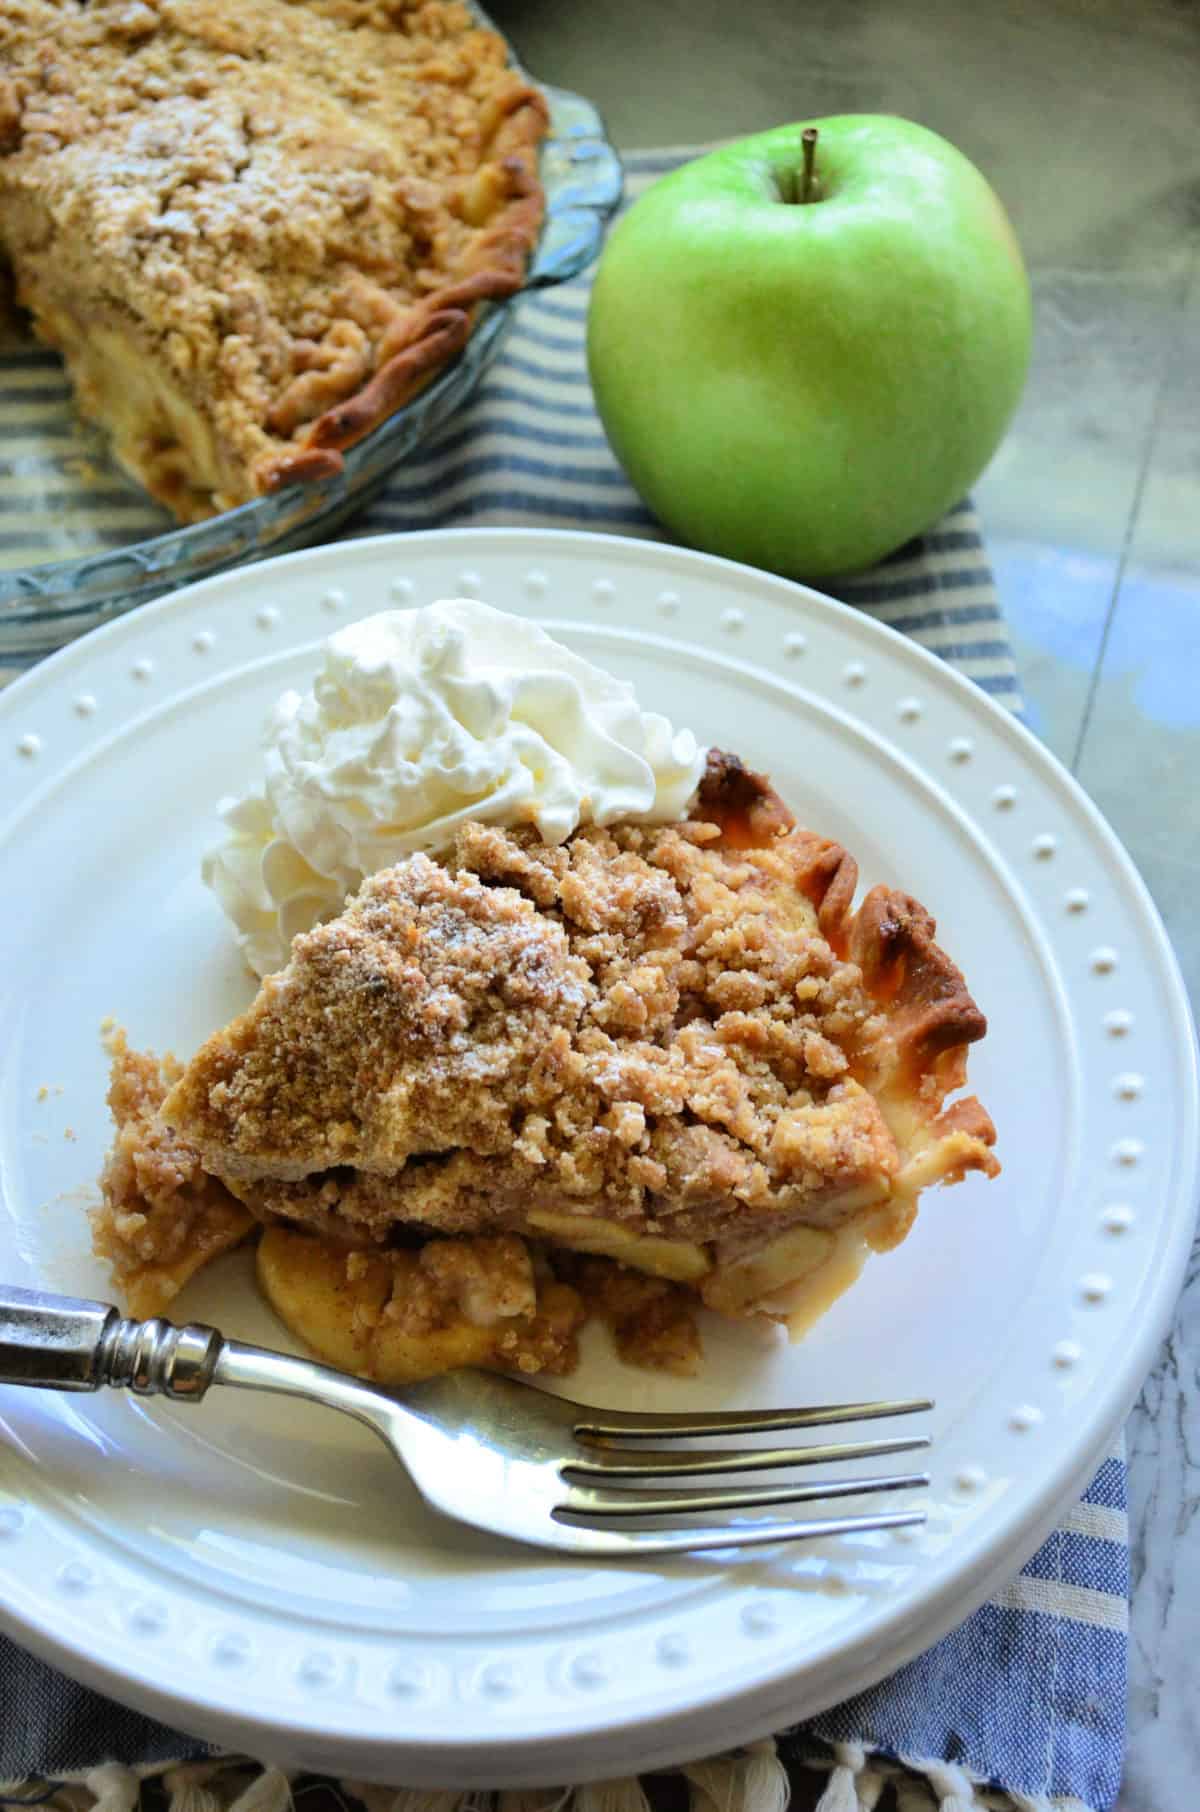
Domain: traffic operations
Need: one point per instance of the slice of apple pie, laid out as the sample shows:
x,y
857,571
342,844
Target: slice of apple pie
x,y
680,1049
255,230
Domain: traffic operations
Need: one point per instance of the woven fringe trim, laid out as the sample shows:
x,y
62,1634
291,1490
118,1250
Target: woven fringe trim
x,y
857,1778
749,1780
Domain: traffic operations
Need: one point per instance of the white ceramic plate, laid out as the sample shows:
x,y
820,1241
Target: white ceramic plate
x,y
259,1573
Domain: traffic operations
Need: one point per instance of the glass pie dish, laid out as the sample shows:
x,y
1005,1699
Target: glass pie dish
x,y
80,542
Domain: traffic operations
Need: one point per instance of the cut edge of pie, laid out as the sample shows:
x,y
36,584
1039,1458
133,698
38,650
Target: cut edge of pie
x,y
785,1240
236,323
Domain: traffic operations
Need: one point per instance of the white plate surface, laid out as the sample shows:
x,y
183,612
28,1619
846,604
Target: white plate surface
x,y
260,1573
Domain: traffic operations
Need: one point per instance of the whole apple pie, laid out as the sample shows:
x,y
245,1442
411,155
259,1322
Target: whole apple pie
x,y
652,1067
255,230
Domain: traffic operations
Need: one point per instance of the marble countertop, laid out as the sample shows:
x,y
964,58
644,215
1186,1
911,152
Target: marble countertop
x,y
1085,123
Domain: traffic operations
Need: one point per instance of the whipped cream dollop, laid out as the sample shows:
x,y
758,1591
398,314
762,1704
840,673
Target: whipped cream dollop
x,y
418,721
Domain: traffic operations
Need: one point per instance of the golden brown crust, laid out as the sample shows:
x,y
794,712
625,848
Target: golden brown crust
x,y
931,1015
742,804
916,1053
256,232
750,815
307,467
828,876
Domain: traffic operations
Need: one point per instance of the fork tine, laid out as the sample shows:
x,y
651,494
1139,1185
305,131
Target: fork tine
x,y
618,1543
607,1466
607,1425
586,1501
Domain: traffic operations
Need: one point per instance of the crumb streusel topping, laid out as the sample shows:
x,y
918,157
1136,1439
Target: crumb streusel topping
x,y
638,1026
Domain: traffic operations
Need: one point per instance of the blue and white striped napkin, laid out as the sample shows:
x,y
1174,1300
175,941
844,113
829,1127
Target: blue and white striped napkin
x,y
1023,1706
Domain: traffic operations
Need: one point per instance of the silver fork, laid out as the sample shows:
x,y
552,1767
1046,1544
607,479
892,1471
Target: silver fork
x,y
486,1449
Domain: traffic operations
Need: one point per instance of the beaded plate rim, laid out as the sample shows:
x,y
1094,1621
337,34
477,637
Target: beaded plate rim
x,y
537,1708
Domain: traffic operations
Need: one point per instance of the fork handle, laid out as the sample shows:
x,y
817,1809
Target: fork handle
x,y
67,1343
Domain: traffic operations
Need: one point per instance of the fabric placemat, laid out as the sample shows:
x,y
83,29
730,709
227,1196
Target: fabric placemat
x,y
1023,1706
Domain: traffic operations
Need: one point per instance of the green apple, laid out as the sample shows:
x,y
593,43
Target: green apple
x,y
805,346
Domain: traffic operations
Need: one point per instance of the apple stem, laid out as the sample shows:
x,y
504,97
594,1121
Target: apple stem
x,y
808,180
